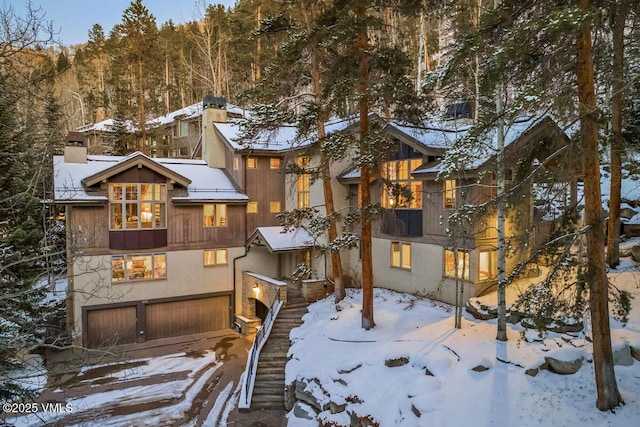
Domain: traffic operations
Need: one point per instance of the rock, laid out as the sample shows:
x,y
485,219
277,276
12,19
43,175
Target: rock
x,y
635,253
480,368
305,392
622,355
335,408
474,308
415,411
350,368
394,363
304,412
635,352
532,372
564,363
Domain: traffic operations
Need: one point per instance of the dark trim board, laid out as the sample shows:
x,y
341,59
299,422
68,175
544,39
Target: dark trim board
x,y
128,322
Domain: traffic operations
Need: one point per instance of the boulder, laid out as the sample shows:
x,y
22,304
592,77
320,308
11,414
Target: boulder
x,y
336,408
304,412
622,354
476,310
565,362
395,362
480,368
635,352
635,253
304,392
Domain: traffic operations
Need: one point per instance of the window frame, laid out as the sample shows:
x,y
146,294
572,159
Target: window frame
x,y
303,184
274,163
271,206
253,210
214,257
492,268
219,215
127,262
130,196
400,255
250,161
449,199
398,173
454,272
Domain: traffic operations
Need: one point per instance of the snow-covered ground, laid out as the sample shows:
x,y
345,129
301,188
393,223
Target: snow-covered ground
x,y
437,385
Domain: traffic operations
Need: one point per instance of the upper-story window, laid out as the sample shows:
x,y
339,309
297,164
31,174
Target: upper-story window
x,y
274,163
400,190
252,163
449,193
137,206
303,183
214,215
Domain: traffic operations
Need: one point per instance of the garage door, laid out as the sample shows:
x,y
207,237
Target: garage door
x,y
111,326
174,318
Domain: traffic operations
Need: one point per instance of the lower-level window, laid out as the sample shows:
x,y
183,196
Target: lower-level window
x,y
138,267
215,257
456,263
401,255
487,264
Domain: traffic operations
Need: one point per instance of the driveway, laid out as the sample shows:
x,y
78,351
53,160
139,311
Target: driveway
x,y
191,380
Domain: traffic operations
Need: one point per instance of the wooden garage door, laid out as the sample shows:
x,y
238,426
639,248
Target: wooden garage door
x,y
111,326
174,318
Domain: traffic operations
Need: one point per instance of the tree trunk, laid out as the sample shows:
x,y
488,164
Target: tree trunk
x,y
608,396
143,121
618,12
365,208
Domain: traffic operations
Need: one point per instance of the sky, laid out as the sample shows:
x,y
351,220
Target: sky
x,y
74,18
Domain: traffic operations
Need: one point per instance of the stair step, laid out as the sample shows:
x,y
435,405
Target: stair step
x,y
269,377
267,398
270,370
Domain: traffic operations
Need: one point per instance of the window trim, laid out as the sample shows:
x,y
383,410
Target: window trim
x,y
303,185
274,163
253,160
449,199
254,204
128,258
398,172
402,264
271,205
215,257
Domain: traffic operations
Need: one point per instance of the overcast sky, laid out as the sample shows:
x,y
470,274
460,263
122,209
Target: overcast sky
x,y
74,18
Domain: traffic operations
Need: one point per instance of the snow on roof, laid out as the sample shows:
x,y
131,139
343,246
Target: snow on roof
x,y
435,135
187,112
513,131
106,126
207,184
278,238
280,139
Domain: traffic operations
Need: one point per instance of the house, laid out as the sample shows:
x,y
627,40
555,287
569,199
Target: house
x,y
159,247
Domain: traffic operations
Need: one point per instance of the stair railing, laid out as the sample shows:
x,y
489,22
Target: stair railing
x,y
262,334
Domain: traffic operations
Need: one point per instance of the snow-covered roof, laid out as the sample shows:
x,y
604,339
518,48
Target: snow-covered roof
x,y
280,239
207,184
432,135
280,139
185,113
106,126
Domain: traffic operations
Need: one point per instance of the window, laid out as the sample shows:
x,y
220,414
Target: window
x,y
274,163
487,264
215,257
214,215
401,255
303,184
137,206
252,207
236,163
184,128
399,189
252,163
449,193
274,207
456,263
138,267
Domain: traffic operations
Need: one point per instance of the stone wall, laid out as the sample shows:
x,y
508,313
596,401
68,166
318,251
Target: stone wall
x,y
316,289
261,288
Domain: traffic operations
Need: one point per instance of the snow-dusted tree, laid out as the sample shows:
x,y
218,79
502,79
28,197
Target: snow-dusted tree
x,y
24,68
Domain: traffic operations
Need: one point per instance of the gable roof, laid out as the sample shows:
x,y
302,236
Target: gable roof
x,y
136,159
281,239
203,184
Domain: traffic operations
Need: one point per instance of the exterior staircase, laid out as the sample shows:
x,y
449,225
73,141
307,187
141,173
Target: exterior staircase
x,y
268,391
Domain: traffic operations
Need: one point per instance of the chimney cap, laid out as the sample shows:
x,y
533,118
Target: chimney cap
x,y
75,139
214,101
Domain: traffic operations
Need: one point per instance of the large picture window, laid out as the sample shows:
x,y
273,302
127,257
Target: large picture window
x,y
487,264
400,190
214,215
456,263
401,255
138,267
137,206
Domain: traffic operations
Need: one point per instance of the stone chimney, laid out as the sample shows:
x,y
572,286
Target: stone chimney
x,y
75,149
213,111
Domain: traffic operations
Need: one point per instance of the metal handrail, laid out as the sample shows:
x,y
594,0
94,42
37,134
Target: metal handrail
x,y
260,335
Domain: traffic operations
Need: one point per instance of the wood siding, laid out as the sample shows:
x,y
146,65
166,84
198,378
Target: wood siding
x,y
264,185
89,228
186,228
